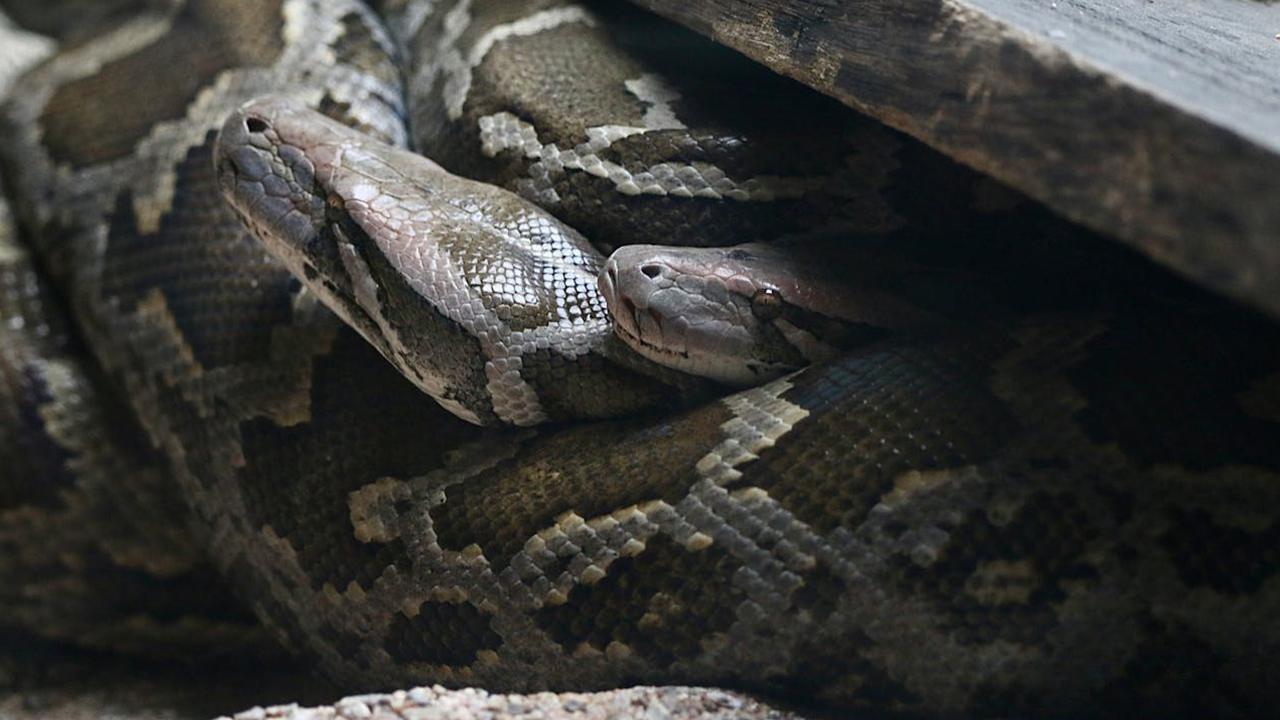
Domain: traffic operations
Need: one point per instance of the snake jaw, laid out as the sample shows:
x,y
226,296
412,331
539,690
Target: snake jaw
x,y
675,314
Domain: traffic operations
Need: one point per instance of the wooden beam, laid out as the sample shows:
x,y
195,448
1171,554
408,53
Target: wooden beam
x,y
1154,121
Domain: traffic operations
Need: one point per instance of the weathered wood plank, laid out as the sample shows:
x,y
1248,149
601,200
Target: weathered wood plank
x,y
1155,121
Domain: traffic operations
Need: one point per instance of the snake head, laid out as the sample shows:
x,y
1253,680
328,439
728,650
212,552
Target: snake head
x,y
277,164
316,194
458,284
750,313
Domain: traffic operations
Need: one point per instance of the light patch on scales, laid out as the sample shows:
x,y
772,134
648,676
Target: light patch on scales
x,y
410,22
372,510
504,131
10,251
581,550
514,400
22,50
760,418
652,90
915,483
998,583
90,190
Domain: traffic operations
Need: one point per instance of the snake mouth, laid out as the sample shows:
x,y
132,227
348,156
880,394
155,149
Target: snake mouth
x,y
635,325
628,321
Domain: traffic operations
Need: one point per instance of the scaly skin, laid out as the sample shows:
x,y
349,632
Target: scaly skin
x,y
1056,516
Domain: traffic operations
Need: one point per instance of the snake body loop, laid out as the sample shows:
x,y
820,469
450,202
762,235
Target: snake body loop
x,y
1053,512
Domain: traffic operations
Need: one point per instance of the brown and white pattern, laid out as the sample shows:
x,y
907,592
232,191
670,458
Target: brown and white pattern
x,y
666,125
1052,517
486,302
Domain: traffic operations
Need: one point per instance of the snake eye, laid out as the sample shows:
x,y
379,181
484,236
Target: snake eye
x,y
335,201
766,304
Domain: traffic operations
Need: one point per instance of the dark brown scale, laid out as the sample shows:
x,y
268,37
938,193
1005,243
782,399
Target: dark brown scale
x,y
83,122
295,483
214,278
638,606
499,509
441,633
93,544
885,411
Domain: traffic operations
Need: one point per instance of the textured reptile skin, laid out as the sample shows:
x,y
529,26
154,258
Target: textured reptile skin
x,y
495,93
485,301
1056,516
94,547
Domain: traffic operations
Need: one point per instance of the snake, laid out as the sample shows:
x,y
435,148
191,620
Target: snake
x,y
1052,512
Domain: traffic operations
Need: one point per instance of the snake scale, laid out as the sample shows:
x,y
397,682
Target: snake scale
x,y
1064,513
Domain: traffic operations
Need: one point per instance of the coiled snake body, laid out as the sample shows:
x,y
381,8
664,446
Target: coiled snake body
x,y
1049,515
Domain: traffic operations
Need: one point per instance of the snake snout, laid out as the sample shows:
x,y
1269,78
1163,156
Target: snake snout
x,y
244,140
233,154
618,285
622,286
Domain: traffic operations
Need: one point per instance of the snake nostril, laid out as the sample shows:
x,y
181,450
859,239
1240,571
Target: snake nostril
x,y
651,271
255,125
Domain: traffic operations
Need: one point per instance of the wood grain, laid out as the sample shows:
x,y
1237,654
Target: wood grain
x,y
1156,121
